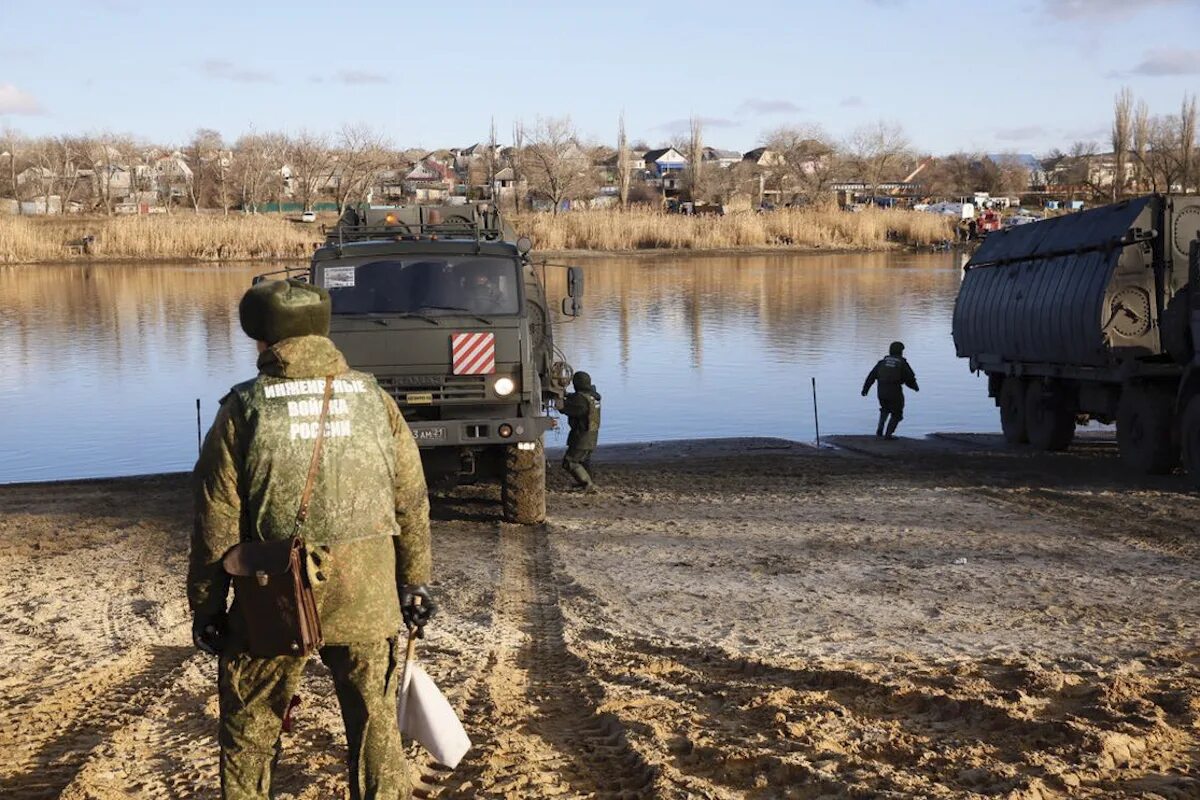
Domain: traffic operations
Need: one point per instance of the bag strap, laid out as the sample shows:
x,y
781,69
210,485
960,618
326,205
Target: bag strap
x,y
302,513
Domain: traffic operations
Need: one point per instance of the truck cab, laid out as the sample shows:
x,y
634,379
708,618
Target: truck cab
x,y
449,312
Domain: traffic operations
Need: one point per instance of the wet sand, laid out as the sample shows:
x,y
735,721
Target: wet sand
x,y
737,618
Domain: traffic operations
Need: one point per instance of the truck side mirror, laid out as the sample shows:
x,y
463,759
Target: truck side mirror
x,y
575,282
571,306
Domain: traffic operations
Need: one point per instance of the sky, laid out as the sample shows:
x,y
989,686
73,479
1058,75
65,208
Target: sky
x,y
1015,76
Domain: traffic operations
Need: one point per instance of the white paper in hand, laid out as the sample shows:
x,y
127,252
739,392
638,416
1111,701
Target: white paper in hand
x,y
426,716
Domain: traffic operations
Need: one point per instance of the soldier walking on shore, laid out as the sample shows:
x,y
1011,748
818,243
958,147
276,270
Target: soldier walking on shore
x,y
582,409
310,433
893,373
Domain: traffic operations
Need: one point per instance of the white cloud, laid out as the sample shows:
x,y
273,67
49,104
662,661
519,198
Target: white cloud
x,y
1093,9
757,106
358,77
222,69
684,125
15,101
853,101
1169,61
1021,134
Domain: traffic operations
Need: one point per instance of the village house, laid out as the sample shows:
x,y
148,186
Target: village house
x,y
720,158
763,157
664,160
429,180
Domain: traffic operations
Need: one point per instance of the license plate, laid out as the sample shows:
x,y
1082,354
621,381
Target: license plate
x,y
429,434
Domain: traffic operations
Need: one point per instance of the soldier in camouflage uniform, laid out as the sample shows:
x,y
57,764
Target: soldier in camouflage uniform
x,y
582,409
893,374
367,533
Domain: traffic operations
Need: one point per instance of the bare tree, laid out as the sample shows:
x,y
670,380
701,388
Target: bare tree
x,y
695,155
809,160
953,175
311,159
1163,164
205,154
362,154
558,168
877,150
13,151
111,157
258,159
1122,136
1141,139
622,163
489,161
518,161
1187,138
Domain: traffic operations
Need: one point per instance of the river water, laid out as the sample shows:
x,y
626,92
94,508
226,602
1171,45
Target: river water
x,y
102,365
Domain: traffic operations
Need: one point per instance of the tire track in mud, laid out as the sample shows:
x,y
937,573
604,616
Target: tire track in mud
x,y
534,715
742,725
1097,500
1110,518
47,742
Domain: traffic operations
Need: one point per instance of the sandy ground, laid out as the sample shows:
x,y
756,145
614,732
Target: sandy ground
x,y
749,618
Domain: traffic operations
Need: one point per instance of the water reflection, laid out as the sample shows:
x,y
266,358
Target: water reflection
x,y
103,364
727,346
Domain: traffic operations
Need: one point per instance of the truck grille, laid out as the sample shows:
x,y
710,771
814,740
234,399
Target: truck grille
x,y
439,389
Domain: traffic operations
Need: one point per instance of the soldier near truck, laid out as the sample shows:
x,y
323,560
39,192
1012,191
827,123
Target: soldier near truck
x,y
893,373
1092,316
582,410
367,541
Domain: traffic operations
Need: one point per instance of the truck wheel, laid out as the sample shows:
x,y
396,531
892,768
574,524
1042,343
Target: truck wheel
x,y
523,487
1049,417
1144,429
1012,411
1190,434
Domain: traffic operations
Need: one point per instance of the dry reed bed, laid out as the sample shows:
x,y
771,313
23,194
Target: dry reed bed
x,y
184,236
818,228
179,236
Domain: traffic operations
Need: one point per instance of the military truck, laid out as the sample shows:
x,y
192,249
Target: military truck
x,y
1090,316
446,307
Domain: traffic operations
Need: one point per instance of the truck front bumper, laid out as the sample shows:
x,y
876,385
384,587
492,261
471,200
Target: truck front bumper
x,y
479,432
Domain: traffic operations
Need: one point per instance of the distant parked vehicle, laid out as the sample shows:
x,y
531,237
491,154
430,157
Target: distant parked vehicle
x,y
308,216
1020,219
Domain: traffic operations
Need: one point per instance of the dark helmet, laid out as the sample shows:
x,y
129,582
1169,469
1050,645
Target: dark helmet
x,y
896,349
581,381
275,310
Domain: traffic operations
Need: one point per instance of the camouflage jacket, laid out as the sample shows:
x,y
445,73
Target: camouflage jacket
x,y
369,514
582,410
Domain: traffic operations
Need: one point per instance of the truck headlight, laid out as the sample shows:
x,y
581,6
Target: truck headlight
x,y
503,386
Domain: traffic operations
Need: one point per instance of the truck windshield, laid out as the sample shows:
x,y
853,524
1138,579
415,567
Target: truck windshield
x,y
431,287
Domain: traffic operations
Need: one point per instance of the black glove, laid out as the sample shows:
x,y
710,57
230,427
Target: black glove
x,y
208,633
865,392
417,606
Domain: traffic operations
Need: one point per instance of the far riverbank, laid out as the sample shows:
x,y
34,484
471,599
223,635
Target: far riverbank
x,y
186,236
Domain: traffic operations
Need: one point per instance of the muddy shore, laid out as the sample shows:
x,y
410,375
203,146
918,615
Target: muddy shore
x,y
728,619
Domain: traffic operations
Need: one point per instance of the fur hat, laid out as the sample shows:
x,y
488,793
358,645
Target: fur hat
x,y
275,310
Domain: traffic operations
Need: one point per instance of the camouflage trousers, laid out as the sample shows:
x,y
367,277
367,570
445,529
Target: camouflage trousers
x,y
254,695
577,462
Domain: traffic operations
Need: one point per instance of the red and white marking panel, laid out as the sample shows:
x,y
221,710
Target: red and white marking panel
x,y
473,353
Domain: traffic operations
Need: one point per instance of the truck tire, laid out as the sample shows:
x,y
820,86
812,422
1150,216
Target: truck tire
x,y
1144,429
1012,410
1049,416
1189,428
523,487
